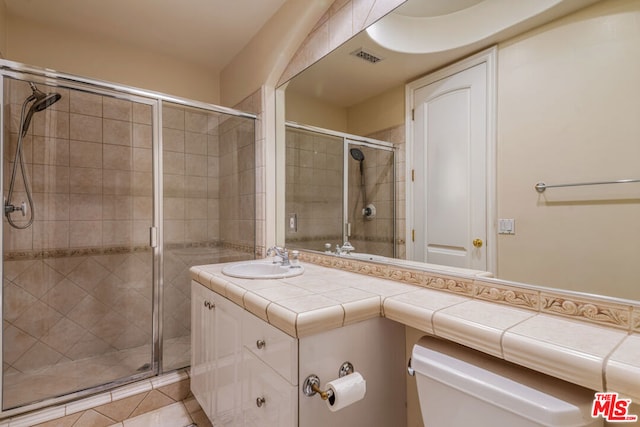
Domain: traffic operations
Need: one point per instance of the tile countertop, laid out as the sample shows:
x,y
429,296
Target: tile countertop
x,y
594,356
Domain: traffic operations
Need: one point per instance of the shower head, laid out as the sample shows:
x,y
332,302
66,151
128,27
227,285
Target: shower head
x,y
357,154
41,101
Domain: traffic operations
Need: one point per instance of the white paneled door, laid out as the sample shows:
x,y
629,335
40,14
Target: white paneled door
x,y
450,140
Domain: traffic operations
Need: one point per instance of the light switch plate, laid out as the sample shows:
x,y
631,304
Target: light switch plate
x,y
507,226
293,222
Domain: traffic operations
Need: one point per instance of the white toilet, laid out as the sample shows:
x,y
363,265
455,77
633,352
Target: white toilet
x,y
460,387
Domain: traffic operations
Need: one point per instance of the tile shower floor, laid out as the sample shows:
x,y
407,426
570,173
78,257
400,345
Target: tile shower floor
x,y
21,388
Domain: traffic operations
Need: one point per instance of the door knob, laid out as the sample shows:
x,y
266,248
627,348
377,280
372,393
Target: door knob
x,y
477,243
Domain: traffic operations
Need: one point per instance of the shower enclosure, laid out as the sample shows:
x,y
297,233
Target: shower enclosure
x,y
111,194
339,188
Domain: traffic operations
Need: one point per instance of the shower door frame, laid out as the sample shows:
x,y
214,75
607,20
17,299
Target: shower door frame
x,y
377,145
350,139
19,71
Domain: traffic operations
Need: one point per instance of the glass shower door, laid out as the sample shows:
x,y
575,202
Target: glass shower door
x,y
78,270
314,189
369,199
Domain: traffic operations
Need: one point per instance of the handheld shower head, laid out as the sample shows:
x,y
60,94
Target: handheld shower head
x,y
41,101
357,154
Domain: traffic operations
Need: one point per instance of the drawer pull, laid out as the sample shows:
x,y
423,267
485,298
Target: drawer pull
x,y
209,305
260,401
260,344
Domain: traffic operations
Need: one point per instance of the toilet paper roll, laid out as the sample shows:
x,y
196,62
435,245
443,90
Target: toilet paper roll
x,y
346,390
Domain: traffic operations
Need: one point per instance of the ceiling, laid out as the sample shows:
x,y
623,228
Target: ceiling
x,y
343,80
206,32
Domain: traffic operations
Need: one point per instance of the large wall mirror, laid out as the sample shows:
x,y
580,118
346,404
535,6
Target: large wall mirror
x,y
567,111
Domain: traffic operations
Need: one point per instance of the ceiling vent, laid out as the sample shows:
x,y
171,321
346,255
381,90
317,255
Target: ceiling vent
x,y
367,55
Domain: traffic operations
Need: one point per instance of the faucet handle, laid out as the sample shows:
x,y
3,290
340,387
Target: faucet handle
x,y
347,247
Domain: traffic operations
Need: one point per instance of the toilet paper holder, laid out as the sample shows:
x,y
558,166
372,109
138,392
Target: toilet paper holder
x,y
311,385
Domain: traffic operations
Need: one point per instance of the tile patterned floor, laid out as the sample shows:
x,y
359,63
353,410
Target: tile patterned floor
x,y
169,406
77,375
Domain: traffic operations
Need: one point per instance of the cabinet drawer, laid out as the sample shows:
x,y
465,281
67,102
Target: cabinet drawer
x,y
271,345
267,399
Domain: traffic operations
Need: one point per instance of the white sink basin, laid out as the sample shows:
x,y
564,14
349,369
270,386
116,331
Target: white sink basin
x,y
261,270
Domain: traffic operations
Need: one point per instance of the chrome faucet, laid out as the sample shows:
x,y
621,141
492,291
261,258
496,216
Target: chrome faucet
x,y
345,249
279,252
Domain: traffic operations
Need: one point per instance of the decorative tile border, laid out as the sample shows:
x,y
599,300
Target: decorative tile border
x,y
601,311
425,279
60,253
522,298
116,250
590,309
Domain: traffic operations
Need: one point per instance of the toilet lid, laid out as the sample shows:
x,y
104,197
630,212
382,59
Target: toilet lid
x,y
530,394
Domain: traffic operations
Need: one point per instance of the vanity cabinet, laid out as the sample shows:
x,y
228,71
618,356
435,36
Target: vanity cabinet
x,y
243,370
246,372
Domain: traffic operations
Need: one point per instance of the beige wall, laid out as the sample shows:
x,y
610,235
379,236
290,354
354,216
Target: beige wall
x,y
380,112
310,111
3,30
568,109
90,56
264,58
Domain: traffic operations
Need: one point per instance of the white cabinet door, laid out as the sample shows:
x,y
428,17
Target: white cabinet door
x,y
227,349
268,400
202,360
216,360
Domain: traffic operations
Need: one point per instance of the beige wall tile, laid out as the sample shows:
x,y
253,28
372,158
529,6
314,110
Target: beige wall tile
x,y
85,128
172,117
173,140
85,180
50,151
117,182
196,143
50,234
84,234
118,109
117,132
117,207
142,135
85,207
85,103
196,122
117,157
142,113
142,183
173,163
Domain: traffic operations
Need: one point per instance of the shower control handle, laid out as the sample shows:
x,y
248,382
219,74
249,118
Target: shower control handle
x,y
9,208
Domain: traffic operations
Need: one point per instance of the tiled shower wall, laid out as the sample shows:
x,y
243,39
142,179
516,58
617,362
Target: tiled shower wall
x,y
396,135
77,284
314,192
314,188
209,208
375,235
89,160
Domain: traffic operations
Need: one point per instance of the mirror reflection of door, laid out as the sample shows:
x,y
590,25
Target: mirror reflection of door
x,y
450,143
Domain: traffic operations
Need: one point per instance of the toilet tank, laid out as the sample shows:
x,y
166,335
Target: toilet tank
x,y
461,387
